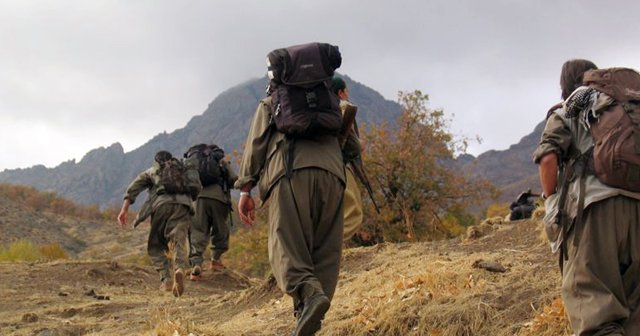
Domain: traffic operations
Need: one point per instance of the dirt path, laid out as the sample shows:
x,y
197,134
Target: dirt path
x,y
78,298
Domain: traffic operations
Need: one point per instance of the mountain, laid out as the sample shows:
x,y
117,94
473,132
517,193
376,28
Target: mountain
x,y
103,174
511,170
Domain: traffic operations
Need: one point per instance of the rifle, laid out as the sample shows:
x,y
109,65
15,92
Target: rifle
x,y
359,172
348,122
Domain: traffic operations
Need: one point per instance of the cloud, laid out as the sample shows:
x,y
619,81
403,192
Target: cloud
x,y
92,73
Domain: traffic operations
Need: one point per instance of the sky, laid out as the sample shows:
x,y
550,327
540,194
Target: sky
x,y
78,75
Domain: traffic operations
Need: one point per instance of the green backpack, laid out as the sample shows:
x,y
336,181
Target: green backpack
x,y
177,177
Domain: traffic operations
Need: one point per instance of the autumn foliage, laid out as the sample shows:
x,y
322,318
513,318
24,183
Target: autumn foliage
x,y
410,165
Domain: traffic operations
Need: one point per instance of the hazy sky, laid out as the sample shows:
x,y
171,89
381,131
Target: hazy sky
x,y
77,75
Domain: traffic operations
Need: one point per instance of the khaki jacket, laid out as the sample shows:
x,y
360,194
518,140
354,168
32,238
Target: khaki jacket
x,y
149,180
263,160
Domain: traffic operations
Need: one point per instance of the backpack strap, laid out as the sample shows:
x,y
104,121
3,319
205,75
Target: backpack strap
x,y
566,170
553,109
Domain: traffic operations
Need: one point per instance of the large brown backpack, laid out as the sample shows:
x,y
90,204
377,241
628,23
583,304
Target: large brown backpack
x,y
616,133
303,104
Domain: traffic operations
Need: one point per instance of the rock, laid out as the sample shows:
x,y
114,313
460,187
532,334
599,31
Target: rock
x,y
490,266
69,312
29,317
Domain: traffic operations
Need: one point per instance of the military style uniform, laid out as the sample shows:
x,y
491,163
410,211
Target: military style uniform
x,y
600,278
171,216
353,213
211,219
305,207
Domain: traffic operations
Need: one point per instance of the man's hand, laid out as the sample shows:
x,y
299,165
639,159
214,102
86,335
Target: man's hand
x,y
122,216
247,209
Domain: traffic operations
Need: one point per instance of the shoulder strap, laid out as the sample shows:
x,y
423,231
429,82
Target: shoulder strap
x,y
553,109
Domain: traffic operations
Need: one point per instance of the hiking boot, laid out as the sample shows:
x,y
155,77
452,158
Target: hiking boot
x,y
312,314
217,265
178,282
196,273
166,285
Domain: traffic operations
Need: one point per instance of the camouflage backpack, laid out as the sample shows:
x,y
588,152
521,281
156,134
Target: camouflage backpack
x,y
177,178
207,160
616,128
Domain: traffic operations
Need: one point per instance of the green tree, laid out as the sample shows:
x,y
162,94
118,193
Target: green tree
x,y
411,167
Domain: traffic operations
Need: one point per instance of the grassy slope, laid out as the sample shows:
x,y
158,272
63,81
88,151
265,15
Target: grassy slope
x,y
392,289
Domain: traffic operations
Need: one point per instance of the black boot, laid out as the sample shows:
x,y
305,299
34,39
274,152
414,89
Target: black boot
x,y
310,319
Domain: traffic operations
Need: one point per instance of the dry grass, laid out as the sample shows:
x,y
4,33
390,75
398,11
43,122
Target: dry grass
x,y
52,252
20,250
551,321
25,251
427,289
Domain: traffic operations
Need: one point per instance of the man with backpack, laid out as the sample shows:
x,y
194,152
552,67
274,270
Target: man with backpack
x,y
593,216
293,156
213,207
172,186
352,151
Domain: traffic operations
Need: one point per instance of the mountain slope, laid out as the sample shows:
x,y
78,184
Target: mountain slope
x,y
103,174
511,170
431,288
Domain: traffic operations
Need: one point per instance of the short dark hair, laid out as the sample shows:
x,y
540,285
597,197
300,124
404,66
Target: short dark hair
x,y
163,156
571,75
337,84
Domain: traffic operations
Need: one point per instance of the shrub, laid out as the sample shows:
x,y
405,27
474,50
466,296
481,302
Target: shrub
x,y
53,252
497,209
20,250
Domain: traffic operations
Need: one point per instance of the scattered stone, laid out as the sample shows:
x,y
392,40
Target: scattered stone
x,y
94,272
30,318
97,296
69,312
490,266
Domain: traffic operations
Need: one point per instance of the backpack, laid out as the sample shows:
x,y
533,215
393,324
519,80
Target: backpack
x,y
303,104
207,160
616,132
177,178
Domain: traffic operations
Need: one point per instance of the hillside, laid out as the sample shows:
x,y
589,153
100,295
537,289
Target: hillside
x,y
79,237
390,289
102,175
511,170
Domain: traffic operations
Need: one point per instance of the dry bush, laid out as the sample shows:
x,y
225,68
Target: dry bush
x,y
497,210
248,248
551,321
493,221
20,250
538,213
166,322
52,252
